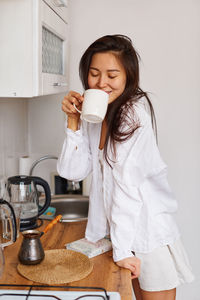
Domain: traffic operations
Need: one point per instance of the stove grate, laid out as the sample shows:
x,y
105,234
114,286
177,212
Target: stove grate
x,y
31,287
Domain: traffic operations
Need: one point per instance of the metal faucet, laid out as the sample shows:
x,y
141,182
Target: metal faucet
x,y
74,185
39,160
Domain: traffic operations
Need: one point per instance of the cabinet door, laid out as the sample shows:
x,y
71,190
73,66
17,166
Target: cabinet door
x,y
53,38
34,49
60,7
16,49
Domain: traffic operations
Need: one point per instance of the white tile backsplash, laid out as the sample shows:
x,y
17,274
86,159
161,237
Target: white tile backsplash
x,y
46,132
46,124
30,127
13,134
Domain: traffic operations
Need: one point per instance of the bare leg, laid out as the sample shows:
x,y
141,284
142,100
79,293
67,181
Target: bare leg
x,y
137,290
161,295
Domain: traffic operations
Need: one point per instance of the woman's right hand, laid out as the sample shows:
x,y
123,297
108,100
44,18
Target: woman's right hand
x,y
68,107
67,104
131,263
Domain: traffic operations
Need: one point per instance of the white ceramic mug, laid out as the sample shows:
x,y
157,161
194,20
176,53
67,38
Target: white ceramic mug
x,y
94,106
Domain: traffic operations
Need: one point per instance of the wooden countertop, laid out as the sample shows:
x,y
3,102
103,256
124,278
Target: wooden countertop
x,y
105,274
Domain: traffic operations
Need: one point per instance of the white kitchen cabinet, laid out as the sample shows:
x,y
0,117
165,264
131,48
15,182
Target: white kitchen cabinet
x,y
33,47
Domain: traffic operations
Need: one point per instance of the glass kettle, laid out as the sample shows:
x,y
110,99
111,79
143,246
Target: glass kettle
x,y
22,192
7,216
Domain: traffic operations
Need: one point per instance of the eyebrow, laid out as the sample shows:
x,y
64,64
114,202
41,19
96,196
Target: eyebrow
x,y
110,70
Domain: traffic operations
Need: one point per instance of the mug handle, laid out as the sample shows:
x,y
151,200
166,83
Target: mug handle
x,y
13,224
77,109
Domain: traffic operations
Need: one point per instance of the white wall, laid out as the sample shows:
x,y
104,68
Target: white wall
x,y
166,35
13,134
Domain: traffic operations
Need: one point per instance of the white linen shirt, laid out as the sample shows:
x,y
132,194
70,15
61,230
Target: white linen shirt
x,y
136,206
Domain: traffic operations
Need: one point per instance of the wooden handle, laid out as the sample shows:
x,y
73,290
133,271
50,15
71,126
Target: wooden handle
x,y
52,223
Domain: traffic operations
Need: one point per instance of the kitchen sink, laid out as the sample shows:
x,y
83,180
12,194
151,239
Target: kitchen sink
x,y
73,208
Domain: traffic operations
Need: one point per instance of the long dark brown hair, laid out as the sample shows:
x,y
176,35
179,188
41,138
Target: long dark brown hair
x,y
122,47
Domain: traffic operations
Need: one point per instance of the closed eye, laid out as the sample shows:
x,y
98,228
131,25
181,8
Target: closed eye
x,y
94,75
112,77
113,73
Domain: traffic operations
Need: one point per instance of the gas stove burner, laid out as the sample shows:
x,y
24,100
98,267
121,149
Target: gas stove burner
x,y
90,293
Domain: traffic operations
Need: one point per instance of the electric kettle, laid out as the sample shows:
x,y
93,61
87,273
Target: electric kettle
x,y
22,190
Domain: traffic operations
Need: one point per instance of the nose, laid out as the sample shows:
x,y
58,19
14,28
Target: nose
x,y
102,81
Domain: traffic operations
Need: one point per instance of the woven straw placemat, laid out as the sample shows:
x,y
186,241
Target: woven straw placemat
x,y
59,266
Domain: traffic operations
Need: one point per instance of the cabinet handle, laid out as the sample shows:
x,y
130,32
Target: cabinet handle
x,y
59,84
60,3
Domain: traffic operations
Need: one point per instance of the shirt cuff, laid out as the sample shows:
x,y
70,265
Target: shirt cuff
x,y
70,132
120,254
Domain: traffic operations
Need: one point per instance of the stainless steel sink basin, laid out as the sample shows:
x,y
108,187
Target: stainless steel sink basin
x,y
73,208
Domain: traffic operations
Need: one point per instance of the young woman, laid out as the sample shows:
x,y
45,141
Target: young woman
x,y
130,198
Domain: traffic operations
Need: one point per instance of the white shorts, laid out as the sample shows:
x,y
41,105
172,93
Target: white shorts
x,y
165,268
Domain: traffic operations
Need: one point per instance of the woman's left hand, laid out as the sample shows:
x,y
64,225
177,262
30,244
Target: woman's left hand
x,y
131,263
